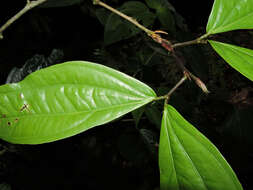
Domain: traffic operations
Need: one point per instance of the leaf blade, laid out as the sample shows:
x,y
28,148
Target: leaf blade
x,y
66,99
230,15
241,59
188,160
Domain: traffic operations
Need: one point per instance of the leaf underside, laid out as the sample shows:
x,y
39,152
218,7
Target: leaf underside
x,y
66,99
239,58
188,160
230,15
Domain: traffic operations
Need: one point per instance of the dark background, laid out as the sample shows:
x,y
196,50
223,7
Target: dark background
x,y
116,156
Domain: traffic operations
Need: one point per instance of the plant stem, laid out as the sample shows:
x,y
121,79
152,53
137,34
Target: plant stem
x,y
200,40
167,96
29,5
191,42
181,64
175,88
128,18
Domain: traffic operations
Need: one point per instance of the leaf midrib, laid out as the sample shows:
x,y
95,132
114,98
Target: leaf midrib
x,y
78,112
199,142
189,158
67,84
169,142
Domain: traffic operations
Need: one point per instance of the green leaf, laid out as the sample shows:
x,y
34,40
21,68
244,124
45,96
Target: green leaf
x,y
230,15
66,99
239,58
117,29
188,160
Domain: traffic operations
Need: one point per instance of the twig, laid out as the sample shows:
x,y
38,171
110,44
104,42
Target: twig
x,y
128,18
200,40
177,85
29,5
167,96
189,75
153,34
191,42
181,64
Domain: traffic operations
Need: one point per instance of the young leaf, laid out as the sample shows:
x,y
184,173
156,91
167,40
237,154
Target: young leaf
x,y
66,99
239,58
230,15
188,160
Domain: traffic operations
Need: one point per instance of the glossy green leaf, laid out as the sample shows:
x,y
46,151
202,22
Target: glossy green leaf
x,y
66,99
239,58
229,15
188,160
117,29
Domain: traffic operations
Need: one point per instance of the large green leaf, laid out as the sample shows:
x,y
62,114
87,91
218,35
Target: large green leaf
x,y
239,58
117,29
188,160
229,15
66,99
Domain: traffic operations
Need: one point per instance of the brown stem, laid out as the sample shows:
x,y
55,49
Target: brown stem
x,y
199,83
189,75
181,64
29,5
